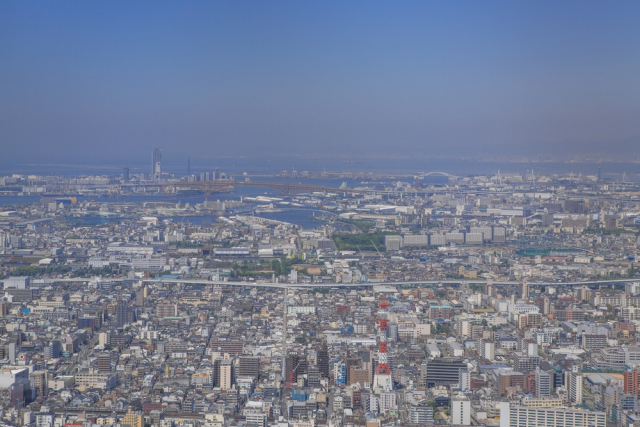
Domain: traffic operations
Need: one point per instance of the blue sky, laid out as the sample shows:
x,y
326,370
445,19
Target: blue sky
x,y
81,81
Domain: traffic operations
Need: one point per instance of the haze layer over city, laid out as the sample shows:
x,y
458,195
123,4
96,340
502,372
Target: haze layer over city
x,y
302,214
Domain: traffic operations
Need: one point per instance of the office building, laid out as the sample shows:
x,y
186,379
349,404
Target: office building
x,y
323,361
122,314
53,350
444,371
249,366
593,342
156,164
313,376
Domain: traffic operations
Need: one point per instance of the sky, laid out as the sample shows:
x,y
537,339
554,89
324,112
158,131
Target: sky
x,y
109,81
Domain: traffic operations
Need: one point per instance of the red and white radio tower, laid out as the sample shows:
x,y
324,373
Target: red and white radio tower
x,y
383,363
382,378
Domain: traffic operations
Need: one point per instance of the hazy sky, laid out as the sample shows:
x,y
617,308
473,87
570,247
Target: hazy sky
x,y
85,80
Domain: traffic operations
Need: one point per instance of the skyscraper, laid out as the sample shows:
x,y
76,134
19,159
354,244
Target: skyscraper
x,y
156,164
122,314
323,361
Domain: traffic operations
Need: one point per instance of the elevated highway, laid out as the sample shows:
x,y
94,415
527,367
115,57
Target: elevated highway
x,y
343,285
287,188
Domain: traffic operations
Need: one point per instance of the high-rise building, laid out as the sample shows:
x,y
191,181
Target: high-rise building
x,y
226,374
53,350
216,372
249,366
543,383
39,382
631,381
156,164
593,342
313,376
122,314
104,362
88,322
460,411
351,363
291,368
508,379
323,361
465,380
141,294
125,174
574,383
486,349
524,289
